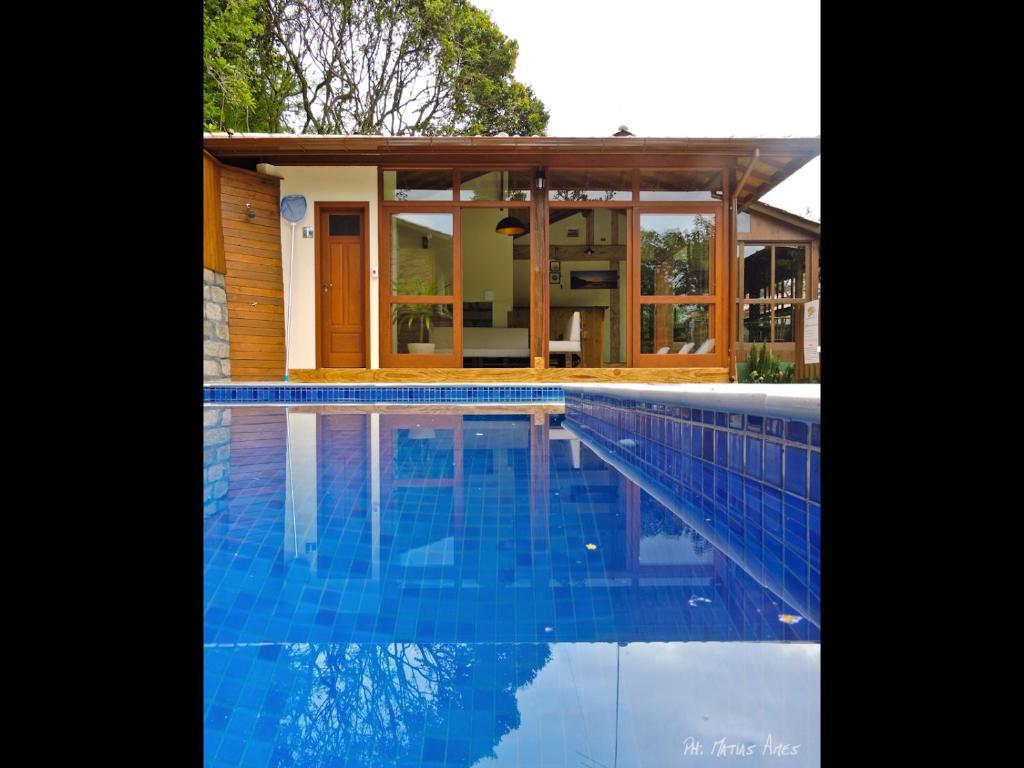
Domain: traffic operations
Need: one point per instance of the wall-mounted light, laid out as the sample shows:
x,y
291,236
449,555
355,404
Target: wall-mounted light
x,y
539,181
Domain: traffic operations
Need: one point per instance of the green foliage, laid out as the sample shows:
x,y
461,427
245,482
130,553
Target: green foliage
x,y
246,84
765,368
676,262
423,314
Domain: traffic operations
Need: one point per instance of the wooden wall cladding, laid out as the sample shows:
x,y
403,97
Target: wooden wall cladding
x,y
254,279
213,237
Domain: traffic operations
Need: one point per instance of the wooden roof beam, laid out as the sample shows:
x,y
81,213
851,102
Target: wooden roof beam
x,y
746,174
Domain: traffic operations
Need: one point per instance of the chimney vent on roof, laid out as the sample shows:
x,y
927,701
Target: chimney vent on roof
x,y
623,131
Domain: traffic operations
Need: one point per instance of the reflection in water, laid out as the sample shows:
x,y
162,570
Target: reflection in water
x,y
374,703
409,589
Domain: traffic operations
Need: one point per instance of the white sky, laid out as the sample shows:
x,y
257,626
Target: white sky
x,y
676,68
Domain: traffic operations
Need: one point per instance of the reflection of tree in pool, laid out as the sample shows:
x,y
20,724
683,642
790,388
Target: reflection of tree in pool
x,y
656,518
374,703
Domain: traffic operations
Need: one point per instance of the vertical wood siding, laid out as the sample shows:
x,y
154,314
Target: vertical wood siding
x,y
254,280
213,238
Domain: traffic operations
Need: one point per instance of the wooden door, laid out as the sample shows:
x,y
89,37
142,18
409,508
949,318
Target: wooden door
x,y
342,288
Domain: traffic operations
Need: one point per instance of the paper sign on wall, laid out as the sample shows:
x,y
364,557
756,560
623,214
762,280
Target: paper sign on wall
x,y
811,342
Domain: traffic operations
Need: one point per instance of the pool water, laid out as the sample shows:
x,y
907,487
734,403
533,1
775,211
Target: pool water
x,y
414,588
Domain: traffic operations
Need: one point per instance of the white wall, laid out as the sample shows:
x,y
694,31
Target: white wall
x,y
327,184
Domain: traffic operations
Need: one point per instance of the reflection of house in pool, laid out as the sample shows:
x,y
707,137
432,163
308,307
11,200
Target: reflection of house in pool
x,y
426,572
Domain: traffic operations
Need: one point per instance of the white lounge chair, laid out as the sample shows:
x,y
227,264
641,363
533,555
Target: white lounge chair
x,y
570,342
664,350
686,349
706,348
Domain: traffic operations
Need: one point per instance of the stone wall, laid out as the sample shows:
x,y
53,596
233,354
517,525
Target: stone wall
x,y
216,459
216,340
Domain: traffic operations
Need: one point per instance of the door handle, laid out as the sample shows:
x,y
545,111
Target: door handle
x,y
327,286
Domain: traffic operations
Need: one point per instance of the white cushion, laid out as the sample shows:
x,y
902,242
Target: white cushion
x,y
571,342
706,347
664,350
686,349
572,328
564,346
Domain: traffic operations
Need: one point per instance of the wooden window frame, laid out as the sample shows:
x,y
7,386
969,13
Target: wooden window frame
x,y
539,206
772,300
389,359
719,288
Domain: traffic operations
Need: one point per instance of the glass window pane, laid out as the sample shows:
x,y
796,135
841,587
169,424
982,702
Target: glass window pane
x,y
784,320
421,254
680,185
495,185
755,323
677,254
418,185
757,271
423,329
790,272
495,290
344,226
676,329
585,184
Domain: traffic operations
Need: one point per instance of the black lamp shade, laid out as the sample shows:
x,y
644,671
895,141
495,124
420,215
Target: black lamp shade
x,y
510,225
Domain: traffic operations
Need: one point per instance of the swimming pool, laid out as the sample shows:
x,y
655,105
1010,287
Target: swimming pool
x,y
448,586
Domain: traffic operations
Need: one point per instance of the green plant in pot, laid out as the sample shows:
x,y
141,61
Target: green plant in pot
x,y
422,315
764,367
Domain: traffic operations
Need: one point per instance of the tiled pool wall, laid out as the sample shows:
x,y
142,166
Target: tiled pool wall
x,y
750,484
319,393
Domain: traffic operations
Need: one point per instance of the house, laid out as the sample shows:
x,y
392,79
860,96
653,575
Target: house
x,y
499,258
778,270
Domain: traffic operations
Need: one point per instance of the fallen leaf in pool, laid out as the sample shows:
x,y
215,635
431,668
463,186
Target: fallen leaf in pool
x,y
591,546
789,618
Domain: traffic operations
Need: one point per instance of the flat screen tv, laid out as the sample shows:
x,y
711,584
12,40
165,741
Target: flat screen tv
x,y
594,278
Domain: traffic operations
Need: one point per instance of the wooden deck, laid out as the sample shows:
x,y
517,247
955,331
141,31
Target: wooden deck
x,y
509,375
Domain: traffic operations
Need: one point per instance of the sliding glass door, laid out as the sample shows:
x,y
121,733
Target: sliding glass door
x,y
678,320
421,318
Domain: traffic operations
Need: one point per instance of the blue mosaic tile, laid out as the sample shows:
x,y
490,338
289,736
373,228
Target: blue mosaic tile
x,y
381,394
796,470
752,464
797,431
773,463
815,477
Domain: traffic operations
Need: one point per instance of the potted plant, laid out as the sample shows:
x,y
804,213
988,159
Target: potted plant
x,y
421,314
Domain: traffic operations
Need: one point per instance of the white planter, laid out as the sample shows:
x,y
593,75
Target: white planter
x,y
417,348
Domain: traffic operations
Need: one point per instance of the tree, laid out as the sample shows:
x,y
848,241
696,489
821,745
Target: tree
x,y
246,85
401,67
374,703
